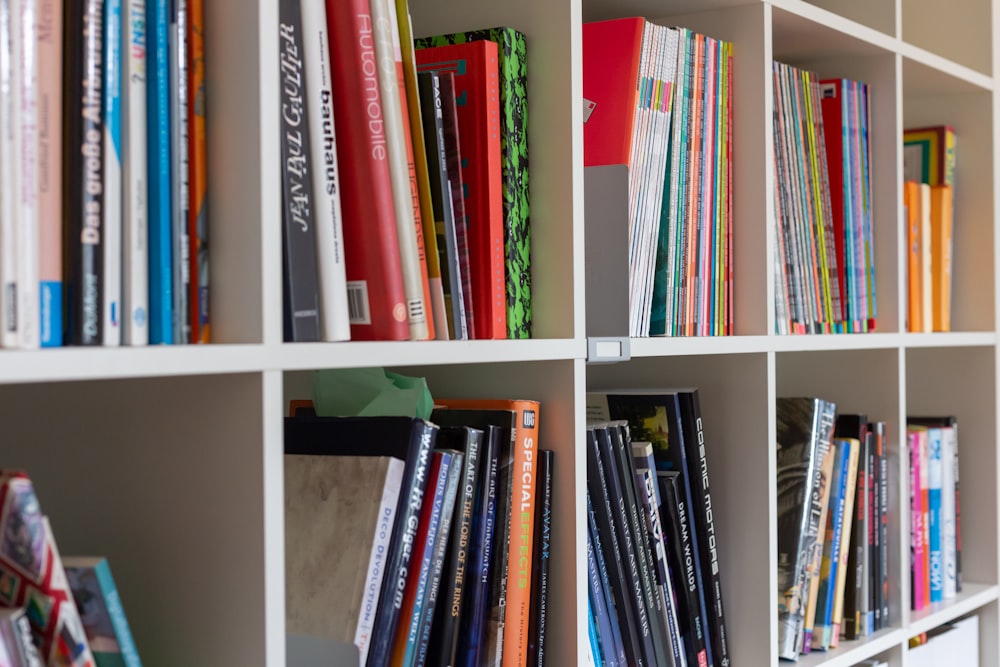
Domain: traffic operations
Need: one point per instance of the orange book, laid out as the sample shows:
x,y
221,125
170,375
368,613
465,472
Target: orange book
x,y
941,243
914,288
197,177
522,522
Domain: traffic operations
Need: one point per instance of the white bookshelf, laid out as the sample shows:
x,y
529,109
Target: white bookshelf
x,y
169,460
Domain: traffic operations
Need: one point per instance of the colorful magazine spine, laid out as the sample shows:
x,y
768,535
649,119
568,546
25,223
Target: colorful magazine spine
x,y
198,216
161,278
50,205
180,267
112,173
135,167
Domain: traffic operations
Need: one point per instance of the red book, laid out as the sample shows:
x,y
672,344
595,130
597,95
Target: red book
x,y
477,87
371,246
835,136
611,51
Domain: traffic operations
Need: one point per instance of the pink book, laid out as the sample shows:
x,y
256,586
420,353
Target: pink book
x,y
50,56
918,556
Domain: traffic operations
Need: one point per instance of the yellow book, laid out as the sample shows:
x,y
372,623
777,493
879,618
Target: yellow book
x,y
941,246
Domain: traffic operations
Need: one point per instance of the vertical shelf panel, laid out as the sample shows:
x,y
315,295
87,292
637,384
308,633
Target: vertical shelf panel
x,y
555,142
163,477
735,404
244,196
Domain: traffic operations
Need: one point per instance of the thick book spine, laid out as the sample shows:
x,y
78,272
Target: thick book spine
x,y
112,307
116,612
180,266
705,526
883,527
299,238
376,297
26,113
50,159
845,544
829,570
84,168
334,317
197,222
611,635
161,278
8,190
542,559
135,211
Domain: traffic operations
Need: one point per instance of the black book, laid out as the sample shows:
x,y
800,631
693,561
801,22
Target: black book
x,y
490,637
875,536
621,450
704,522
447,613
878,428
541,556
83,171
598,486
403,437
675,518
855,426
300,277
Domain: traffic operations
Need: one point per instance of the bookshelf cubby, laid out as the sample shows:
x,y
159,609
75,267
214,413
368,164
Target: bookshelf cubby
x,y
169,460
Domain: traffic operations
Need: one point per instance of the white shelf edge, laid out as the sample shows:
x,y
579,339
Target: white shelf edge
x,y
106,363
360,354
950,339
675,346
972,597
945,66
836,342
838,23
851,652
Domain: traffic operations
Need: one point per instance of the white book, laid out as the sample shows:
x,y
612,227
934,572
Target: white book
x,y
135,221
390,58
949,564
333,311
112,224
179,170
8,200
25,64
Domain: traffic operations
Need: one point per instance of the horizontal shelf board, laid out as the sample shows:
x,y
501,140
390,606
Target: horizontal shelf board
x,y
100,363
972,597
600,10
851,652
694,345
833,342
360,354
926,75
950,339
802,31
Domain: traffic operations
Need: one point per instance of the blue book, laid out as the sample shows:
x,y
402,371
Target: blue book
x,y
613,643
595,644
101,612
934,478
598,605
831,546
161,325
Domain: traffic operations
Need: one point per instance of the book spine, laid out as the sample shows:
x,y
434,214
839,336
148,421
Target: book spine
x,y
596,597
25,64
50,157
25,644
424,624
112,222
84,169
704,523
948,512
883,527
334,316
401,550
831,548
180,266
116,612
197,222
378,558
161,300
302,307
542,559
845,544
918,553
376,297
9,336
135,216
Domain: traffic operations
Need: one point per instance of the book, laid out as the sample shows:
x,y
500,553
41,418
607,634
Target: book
x,y
375,293
178,49
330,262
333,576
541,557
26,111
913,202
49,23
17,648
512,60
9,325
521,535
804,433
197,223
135,177
406,438
35,576
158,135
600,588
299,265
929,155
112,223
475,65
84,167
941,242
101,612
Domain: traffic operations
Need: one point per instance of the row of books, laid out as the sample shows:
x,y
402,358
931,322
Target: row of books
x,y
103,219
833,550
405,177
824,261
928,198
421,542
935,526
54,610
655,589
659,100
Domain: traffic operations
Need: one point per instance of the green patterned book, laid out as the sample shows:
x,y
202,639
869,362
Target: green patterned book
x,y
512,49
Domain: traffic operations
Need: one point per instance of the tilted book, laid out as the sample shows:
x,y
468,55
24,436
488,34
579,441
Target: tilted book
x,y
17,647
101,611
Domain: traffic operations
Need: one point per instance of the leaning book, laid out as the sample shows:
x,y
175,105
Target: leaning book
x,y
101,612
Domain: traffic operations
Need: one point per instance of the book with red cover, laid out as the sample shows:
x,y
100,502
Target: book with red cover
x,y
374,271
477,85
611,51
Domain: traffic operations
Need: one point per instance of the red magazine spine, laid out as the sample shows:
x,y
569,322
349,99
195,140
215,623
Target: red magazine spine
x,y
833,131
374,270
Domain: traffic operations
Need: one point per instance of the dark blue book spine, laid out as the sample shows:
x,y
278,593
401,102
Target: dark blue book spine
x,y
599,603
542,558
